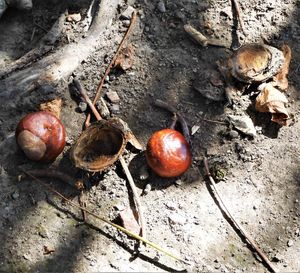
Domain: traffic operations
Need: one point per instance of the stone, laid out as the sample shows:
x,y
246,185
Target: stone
x,y
127,13
161,6
113,96
290,243
177,219
82,106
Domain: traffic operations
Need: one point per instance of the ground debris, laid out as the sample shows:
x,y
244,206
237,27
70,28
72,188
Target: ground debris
x,y
128,221
243,123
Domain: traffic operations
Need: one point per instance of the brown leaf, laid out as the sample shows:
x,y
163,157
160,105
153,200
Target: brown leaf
x,y
125,58
280,79
129,221
53,106
273,101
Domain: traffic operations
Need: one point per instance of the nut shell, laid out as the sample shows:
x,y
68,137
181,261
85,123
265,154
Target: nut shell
x,y
256,62
168,154
100,145
41,136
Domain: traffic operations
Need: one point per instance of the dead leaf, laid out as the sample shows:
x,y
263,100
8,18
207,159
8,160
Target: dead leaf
x,y
129,221
243,123
125,58
273,101
53,106
280,79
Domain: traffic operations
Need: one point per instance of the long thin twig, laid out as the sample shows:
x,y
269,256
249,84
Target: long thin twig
x,y
178,116
239,14
124,166
129,233
136,196
107,71
243,232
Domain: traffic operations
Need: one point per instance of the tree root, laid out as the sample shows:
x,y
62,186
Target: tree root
x,y
60,64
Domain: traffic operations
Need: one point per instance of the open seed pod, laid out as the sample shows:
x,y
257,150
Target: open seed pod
x,y
256,62
101,144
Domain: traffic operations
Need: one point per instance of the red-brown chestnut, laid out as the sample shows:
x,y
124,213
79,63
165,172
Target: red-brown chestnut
x,y
41,136
168,154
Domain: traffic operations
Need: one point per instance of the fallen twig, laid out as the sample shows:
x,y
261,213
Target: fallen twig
x,y
200,38
55,174
214,121
222,206
136,196
124,166
107,71
177,116
239,14
129,233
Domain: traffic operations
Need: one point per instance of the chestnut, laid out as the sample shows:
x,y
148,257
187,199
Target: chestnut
x,y
41,136
168,153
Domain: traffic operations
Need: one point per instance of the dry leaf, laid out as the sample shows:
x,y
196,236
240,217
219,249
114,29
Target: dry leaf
x,y
53,106
128,219
125,58
273,101
280,79
243,123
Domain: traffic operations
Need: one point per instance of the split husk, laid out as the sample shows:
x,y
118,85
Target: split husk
x,y
101,144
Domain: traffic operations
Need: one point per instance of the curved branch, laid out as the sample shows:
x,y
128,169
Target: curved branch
x,y
60,64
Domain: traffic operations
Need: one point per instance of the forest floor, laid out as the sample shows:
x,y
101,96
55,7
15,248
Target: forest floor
x,y
260,176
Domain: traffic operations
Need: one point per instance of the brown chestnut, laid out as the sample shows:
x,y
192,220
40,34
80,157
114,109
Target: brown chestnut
x,y
168,153
41,136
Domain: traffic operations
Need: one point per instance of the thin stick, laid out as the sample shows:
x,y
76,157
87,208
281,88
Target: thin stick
x,y
239,14
136,196
107,71
129,233
54,174
214,121
178,116
200,38
244,233
124,166
86,98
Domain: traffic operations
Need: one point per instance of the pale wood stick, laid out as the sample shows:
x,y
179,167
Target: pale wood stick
x,y
243,232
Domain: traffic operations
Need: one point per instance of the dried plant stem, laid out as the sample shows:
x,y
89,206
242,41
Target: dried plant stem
x,y
123,163
86,98
53,174
239,14
129,233
177,117
136,196
243,232
200,38
107,71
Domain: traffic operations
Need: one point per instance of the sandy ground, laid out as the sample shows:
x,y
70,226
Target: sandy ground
x,y
261,183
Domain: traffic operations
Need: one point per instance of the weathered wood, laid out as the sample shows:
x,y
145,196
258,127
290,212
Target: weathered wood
x,y
61,63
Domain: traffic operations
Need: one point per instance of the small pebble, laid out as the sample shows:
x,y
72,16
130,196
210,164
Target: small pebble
x,y
290,243
233,134
82,106
15,195
161,7
115,108
127,13
76,17
113,96
176,218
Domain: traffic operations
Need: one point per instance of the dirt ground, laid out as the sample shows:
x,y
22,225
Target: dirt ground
x,y
260,176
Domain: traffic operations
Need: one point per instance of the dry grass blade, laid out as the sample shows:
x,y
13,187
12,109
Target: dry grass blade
x,y
129,233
